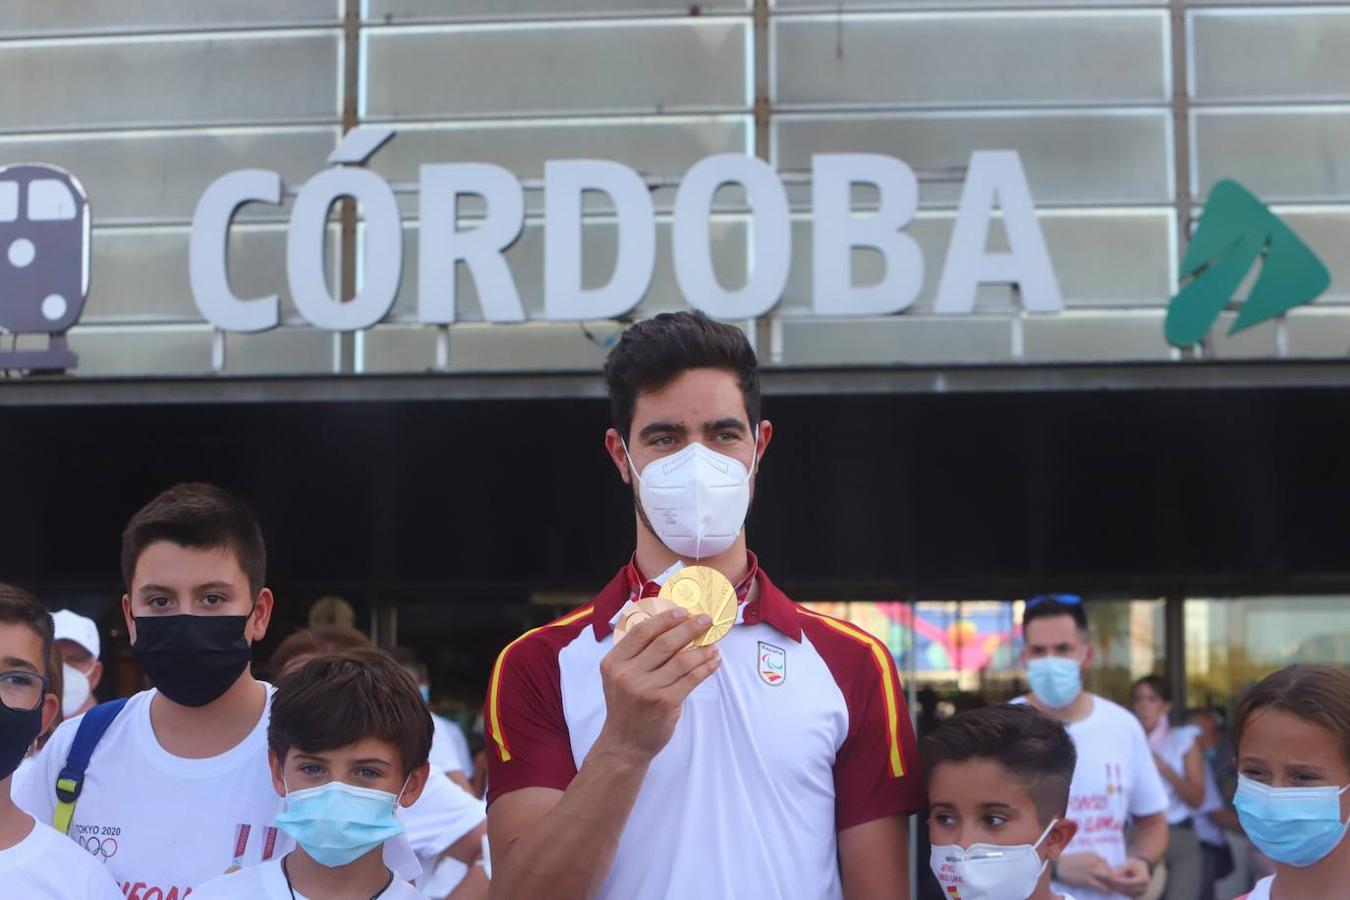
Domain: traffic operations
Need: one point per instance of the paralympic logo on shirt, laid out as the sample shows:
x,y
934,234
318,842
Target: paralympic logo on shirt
x,y
772,664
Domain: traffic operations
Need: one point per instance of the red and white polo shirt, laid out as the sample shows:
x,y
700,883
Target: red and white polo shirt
x,y
802,732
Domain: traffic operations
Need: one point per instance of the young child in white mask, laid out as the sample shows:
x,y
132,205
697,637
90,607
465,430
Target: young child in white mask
x,y
998,790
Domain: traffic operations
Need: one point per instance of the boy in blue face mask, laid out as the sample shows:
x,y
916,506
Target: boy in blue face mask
x,y
998,785
1116,781
348,744
1292,733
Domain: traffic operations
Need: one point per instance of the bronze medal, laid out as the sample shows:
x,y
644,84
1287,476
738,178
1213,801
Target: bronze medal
x,y
635,613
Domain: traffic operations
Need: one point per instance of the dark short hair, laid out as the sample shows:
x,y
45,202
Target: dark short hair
x,y
199,516
1034,748
18,607
1047,607
1319,694
655,351
337,699
315,641
1157,684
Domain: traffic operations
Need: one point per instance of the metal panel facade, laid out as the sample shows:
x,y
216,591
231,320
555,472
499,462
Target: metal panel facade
x,y
150,105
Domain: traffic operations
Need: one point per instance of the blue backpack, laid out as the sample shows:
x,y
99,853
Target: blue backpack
x,y
71,780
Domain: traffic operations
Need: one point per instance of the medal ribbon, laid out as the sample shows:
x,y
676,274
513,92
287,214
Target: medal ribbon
x,y
639,586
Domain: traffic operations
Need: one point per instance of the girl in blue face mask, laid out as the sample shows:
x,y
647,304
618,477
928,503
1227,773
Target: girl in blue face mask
x,y
1292,734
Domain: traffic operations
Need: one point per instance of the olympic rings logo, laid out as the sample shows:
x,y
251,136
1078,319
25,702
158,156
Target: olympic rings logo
x,y
102,847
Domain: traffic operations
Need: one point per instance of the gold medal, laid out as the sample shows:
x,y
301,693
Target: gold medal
x,y
700,589
635,614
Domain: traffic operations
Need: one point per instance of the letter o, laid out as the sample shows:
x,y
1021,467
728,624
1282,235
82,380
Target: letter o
x,y
382,258
771,252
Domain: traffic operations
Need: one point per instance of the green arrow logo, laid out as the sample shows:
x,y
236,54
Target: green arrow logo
x,y
1235,230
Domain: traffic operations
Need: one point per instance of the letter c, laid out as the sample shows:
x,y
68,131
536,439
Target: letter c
x,y
208,251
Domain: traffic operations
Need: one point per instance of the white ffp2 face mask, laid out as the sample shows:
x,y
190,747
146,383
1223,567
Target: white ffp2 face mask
x,y
74,690
695,500
990,871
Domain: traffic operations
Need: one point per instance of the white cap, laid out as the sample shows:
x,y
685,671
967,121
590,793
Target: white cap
x,y
71,626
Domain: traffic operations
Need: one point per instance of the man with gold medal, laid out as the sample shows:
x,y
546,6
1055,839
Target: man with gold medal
x,y
692,732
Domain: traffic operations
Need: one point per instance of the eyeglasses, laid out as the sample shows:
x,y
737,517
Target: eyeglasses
x,y
22,691
1065,599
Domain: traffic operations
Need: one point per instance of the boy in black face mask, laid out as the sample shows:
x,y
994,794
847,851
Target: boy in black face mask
x,y
36,863
177,790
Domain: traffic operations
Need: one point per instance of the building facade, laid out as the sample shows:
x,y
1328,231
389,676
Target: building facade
x,y
958,459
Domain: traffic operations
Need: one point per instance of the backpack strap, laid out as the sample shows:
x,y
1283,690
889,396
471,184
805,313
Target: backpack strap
x,y
71,780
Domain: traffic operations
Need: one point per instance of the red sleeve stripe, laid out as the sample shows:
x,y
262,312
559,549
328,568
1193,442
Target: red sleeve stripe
x,y
882,657
494,723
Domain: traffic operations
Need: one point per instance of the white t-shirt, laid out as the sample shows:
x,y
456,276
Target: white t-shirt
x,y
25,765
268,882
449,748
1115,779
1172,744
441,816
46,866
160,823
1261,891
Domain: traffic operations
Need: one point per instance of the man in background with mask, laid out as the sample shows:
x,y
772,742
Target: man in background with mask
x,y
777,762
178,791
1115,780
78,643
